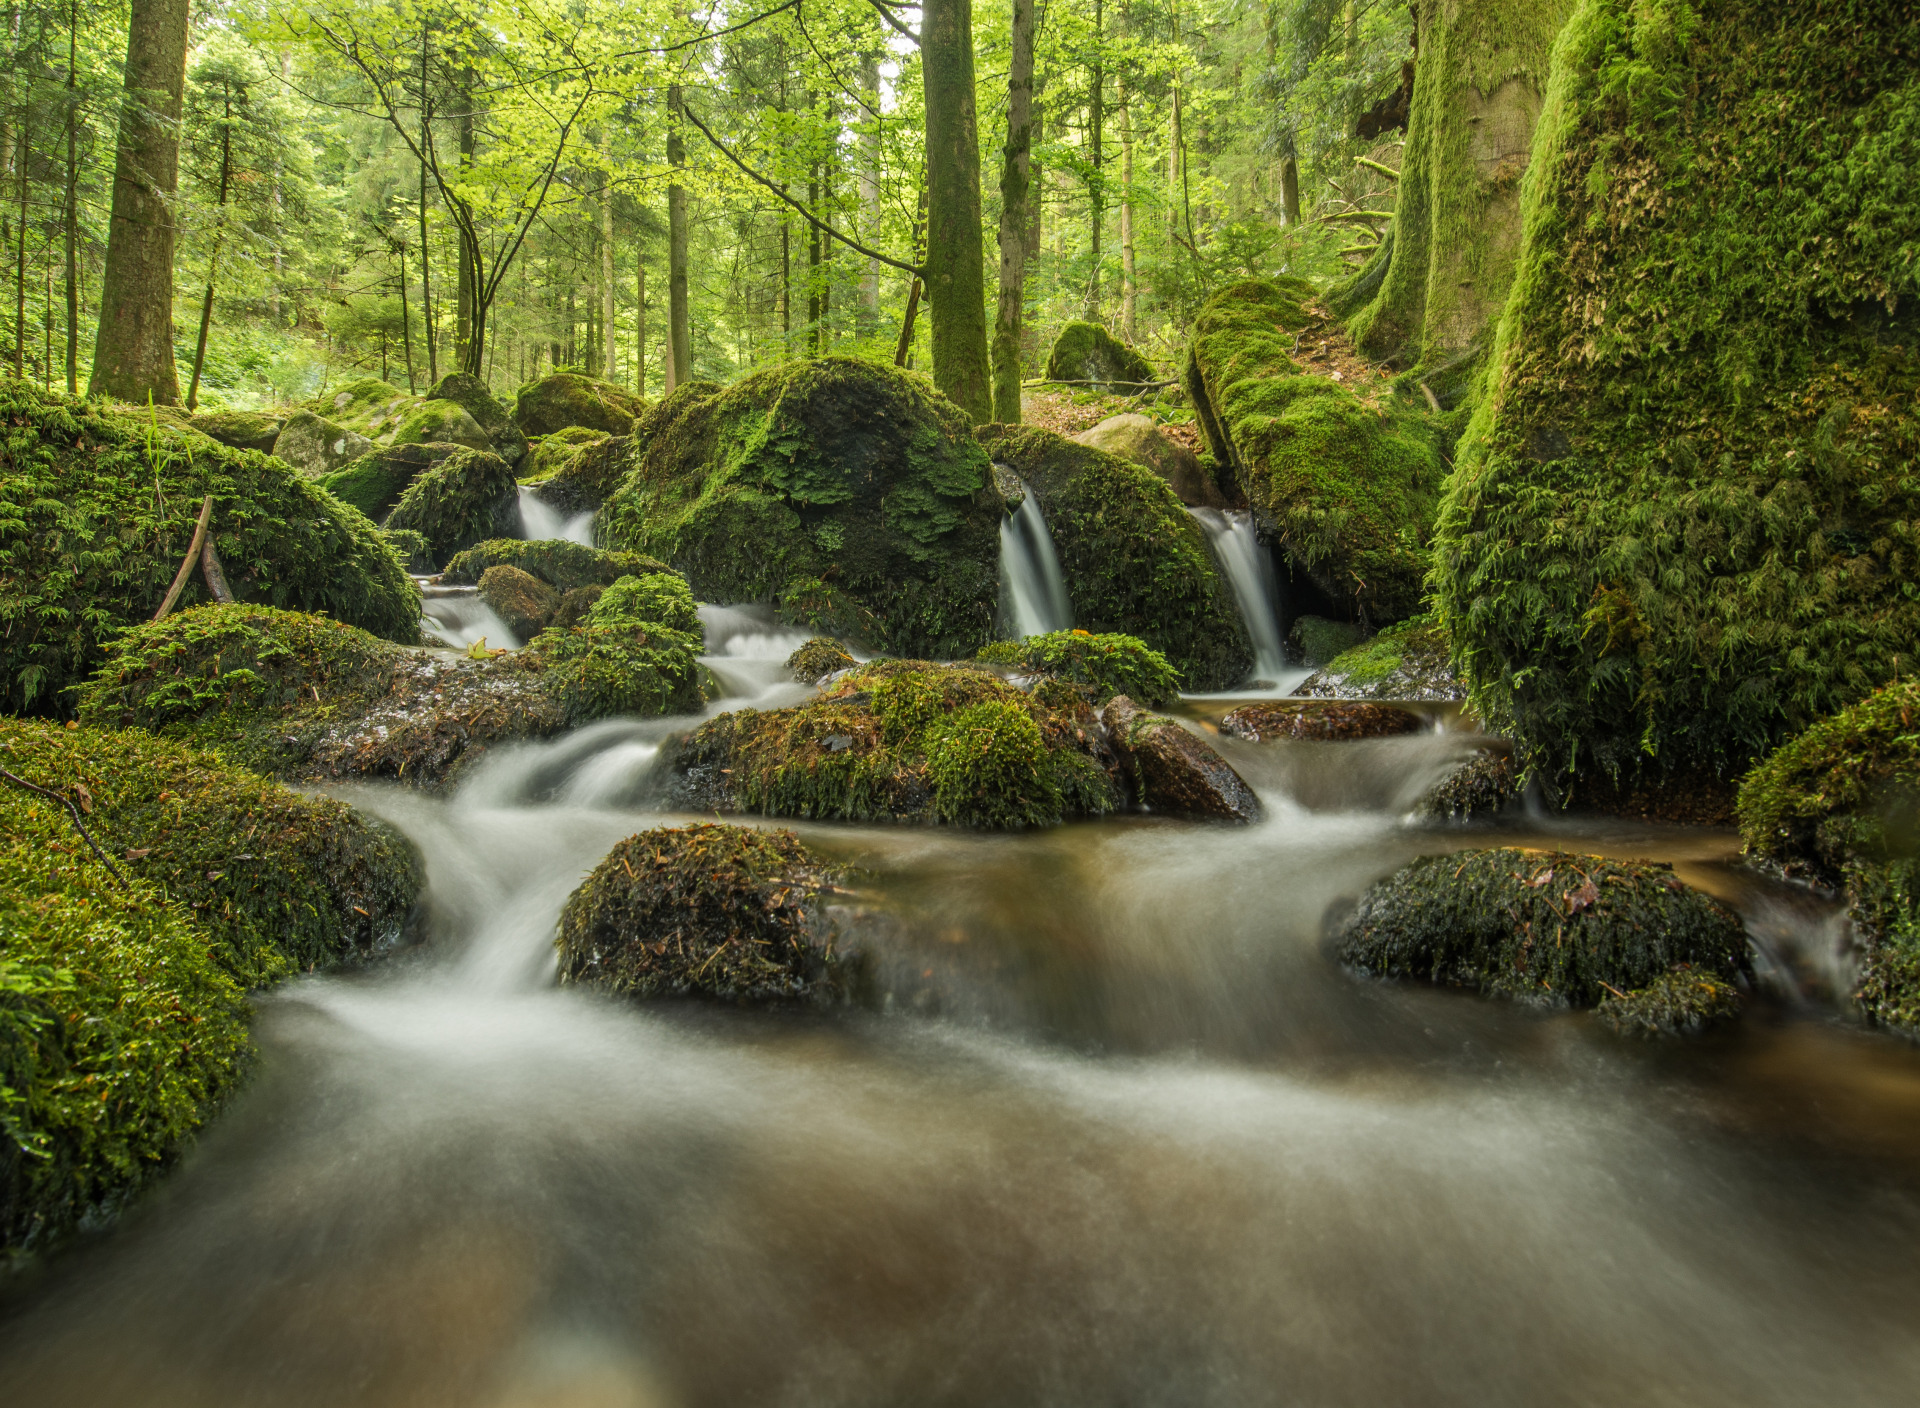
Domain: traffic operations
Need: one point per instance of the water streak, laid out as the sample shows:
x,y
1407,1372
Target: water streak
x,y
540,523
457,617
1255,588
1033,593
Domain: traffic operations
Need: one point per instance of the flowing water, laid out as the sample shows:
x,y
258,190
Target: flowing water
x,y
1033,594
1256,590
1115,1129
455,616
538,522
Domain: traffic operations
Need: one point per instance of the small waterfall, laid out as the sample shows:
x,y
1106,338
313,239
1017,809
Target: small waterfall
x,y
1032,591
540,523
1255,588
457,617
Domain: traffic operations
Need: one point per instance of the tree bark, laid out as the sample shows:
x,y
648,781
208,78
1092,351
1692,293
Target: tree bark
x,y
956,254
608,312
1129,295
213,261
639,326
679,328
1015,181
467,331
71,214
1096,194
867,312
133,355
426,260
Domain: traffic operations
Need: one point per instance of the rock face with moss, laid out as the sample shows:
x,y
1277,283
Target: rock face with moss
x,y
317,447
1136,439
1348,486
1478,789
1544,927
1170,771
728,913
1088,354
464,499
548,454
567,399
1681,525
368,406
469,393
851,495
374,482
242,430
1840,805
98,508
817,659
445,421
524,602
562,565
1407,661
122,1020
1101,666
904,740
586,476
1135,561
1263,723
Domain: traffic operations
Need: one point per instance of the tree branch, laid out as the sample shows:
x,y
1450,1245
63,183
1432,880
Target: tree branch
x,y
72,811
881,10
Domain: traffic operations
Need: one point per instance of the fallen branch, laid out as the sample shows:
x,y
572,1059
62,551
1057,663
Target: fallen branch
x,y
1056,381
1432,400
72,811
1387,171
1360,215
187,562
210,568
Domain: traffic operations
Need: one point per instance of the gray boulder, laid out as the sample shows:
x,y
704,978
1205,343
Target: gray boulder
x,y
317,447
1135,437
472,396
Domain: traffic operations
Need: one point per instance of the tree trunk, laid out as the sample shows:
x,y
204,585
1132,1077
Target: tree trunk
x,y
1290,185
213,261
608,312
867,316
406,322
956,254
679,328
426,261
133,355
468,317
903,349
72,212
20,256
1129,296
1015,178
1096,195
639,327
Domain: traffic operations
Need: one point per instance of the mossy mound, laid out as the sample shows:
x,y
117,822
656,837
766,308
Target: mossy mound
x,y
524,602
1478,789
851,495
560,564
374,482
1102,665
903,740
1682,524
443,421
1409,661
549,453
231,881
817,659
316,446
495,420
367,406
723,912
465,499
1349,489
1680,1002
413,549
98,508
567,399
1134,560
241,430
1136,439
1542,926
574,606
1088,354
1841,805
586,478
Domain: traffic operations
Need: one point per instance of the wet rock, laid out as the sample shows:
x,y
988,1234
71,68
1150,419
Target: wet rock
x,y
567,399
1088,354
562,565
445,421
1100,666
464,499
1172,772
1135,437
817,659
495,421
521,600
1480,788
316,447
729,913
374,482
1543,926
1682,1001
243,430
574,606
1409,661
1261,723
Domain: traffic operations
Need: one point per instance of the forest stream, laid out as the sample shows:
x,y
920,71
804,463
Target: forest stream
x,y
1116,1128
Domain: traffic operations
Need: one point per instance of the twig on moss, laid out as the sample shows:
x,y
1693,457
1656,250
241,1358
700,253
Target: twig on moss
x,y
210,568
72,811
187,562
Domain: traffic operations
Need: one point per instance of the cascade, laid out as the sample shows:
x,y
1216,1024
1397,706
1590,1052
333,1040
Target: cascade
x,y
1033,594
538,522
455,616
1255,588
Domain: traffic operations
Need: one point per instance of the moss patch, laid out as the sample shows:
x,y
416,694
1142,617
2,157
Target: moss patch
x,y
242,430
1103,665
817,659
374,482
442,421
466,498
367,405
1410,660
566,399
549,453
1679,1002
1088,353
555,561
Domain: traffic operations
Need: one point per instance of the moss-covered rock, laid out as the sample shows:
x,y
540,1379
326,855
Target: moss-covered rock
x,y
1410,661
1101,665
546,455
242,430
1679,1002
367,406
850,494
1681,527
1134,560
1543,926
413,549
724,912
1136,439
495,420
575,604
560,564
1171,771
586,478
98,508
374,482
1262,723
903,740
1088,354
465,499
524,602
316,446
1476,790
567,399
1840,804
1348,488
1320,640
441,421
817,659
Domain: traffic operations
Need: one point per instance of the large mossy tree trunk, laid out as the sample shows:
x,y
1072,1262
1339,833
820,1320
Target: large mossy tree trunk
x,y
1015,182
956,243
133,355
679,330
1430,296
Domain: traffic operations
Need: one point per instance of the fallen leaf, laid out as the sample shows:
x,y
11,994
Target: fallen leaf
x,y
1583,897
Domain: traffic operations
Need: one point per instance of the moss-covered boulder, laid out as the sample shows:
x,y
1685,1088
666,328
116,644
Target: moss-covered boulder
x,y
98,508
817,659
443,421
903,740
730,913
413,549
1542,926
547,455
465,499
316,446
850,494
521,600
1348,486
1088,355
1682,523
1410,660
1172,772
1840,805
562,565
586,478
575,604
1263,723
242,430
1478,789
368,406
1319,640
568,399
1101,665
122,1025
495,420
1138,440
374,482
1134,560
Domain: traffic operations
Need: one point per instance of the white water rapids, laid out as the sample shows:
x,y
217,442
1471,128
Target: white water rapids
x,y
1256,590
1033,593
540,523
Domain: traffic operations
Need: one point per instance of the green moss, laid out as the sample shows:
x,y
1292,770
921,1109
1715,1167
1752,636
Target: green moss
x,y
1134,560
495,421
635,652
1321,641
1682,524
1679,1002
442,422
567,399
413,549
374,482
1542,926
1349,488
560,564
98,508
550,453
850,494
817,659
466,498
368,406
1105,665
243,430
1087,352
1419,639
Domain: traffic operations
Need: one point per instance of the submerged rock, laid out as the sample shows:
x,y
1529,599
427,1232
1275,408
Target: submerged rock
x,y
1136,439
464,499
521,600
730,913
1543,926
1088,354
1409,661
495,421
243,430
562,565
317,447
1682,1001
817,659
1101,666
1261,723
567,399
1172,772
374,482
